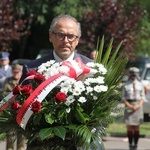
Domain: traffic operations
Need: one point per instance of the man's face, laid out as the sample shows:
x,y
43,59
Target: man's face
x,y
4,62
93,55
64,48
133,75
16,73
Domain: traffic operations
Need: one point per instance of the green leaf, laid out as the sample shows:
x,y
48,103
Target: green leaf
x,y
100,50
72,127
60,132
79,115
107,53
49,119
44,133
113,57
115,64
84,135
37,119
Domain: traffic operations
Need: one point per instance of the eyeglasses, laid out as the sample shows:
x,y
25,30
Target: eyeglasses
x,y
61,36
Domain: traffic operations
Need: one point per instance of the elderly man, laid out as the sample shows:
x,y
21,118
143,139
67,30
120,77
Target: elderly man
x,y
64,34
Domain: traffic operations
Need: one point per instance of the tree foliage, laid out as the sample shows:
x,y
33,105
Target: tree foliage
x,y
112,19
144,43
12,26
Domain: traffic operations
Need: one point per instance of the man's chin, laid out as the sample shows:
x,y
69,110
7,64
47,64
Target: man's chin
x,y
64,55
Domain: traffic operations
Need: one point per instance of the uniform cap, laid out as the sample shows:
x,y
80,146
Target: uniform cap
x,y
4,55
134,70
17,66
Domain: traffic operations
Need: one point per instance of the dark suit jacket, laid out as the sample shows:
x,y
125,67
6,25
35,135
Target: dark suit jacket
x,y
35,63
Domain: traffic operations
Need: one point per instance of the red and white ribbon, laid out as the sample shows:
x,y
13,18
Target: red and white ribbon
x,y
5,102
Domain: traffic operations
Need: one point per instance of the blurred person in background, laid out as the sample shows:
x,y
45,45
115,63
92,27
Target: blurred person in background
x,y
133,98
5,70
93,54
9,84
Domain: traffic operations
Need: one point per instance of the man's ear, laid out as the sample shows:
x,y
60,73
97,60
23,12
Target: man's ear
x,y
77,41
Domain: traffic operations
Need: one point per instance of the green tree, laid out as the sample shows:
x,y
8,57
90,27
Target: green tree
x,y
12,27
122,20
41,12
144,43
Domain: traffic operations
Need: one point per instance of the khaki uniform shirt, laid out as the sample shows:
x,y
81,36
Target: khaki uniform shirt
x,y
9,84
130,94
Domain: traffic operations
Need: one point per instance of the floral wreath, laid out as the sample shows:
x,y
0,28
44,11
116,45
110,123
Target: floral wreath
x,y
64,93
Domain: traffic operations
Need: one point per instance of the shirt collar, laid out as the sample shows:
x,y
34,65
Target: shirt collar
x,y
5,67
58,59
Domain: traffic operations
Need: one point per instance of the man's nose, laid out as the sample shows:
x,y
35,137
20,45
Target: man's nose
x,y
66,39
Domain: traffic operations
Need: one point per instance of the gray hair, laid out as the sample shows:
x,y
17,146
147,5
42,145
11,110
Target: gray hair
x,y
57,18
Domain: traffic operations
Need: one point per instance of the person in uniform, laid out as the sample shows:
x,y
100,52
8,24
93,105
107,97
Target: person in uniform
x,y
133,98
9,84
5,70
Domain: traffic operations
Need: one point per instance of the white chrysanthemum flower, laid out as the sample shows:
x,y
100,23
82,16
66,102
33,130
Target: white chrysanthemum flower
x,y
91,64
82,99
103,88
99,67
76,91
99,80
71,90
56,65
70,99
93,71
46,65
97,89
50,72
103,71
50,63
64,89
79,85
67,83
41,70
89,89
100,88
89,81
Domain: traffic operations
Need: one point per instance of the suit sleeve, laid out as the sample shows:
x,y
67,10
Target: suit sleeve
x,y
24,72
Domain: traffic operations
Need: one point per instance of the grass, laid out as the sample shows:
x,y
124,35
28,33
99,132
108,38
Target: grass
x,y
2,137
115,129
120,128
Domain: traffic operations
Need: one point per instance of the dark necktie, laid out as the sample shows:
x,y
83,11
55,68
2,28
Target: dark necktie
x,y
134,91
